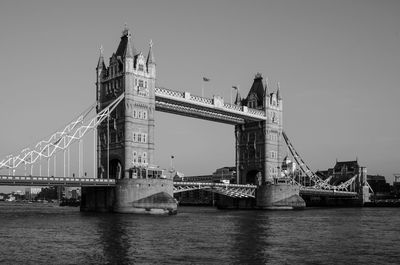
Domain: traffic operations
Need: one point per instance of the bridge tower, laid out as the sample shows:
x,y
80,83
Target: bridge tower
x,y
259,143
259,150
125,146
131,126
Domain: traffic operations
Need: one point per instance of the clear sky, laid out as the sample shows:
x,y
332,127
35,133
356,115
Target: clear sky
x,y
338,64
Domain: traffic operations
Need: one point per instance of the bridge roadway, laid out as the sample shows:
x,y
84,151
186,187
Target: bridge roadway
x,y
6,180
232,190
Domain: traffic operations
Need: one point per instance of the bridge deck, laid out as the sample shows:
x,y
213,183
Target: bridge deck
x,y
330,193
235,190
6,180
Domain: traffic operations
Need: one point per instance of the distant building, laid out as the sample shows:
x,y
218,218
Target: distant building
x,y
396,185
72,193
225,174
32,192
379,185
344,171
18,192
11,198
178,176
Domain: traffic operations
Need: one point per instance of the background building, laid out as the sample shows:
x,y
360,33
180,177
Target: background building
x,y
31,193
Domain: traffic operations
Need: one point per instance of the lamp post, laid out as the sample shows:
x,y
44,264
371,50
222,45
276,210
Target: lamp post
x,y
236,88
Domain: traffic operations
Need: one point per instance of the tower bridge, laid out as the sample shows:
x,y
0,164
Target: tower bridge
x,y
125,178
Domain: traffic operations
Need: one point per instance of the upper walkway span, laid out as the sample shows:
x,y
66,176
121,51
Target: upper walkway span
x,y
214,109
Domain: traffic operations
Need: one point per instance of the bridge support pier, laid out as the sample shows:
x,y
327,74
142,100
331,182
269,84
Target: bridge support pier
x,y
144,196
279,196
149,196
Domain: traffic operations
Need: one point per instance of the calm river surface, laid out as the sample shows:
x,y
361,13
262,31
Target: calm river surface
x,y
48,234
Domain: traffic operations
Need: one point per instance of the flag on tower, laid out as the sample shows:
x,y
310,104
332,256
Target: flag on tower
x,y
172,157
235,87
205,79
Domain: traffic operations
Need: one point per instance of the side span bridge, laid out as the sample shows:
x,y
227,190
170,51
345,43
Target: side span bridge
x,y
54,181
230,190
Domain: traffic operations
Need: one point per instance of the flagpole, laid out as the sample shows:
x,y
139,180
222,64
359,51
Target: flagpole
x,y
202,89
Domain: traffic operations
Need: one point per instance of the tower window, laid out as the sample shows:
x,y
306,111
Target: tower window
x,y
134,137
141,68
140,83
144,114
144,138
139,139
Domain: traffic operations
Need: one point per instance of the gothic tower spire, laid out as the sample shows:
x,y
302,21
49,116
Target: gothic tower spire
x,y
150,56
100,63
151,62
278,94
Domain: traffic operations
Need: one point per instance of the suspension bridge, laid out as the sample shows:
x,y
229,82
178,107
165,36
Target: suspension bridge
x,y
166,100
123,139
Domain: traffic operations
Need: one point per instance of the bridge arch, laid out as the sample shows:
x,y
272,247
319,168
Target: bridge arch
x,y
116,169
254,177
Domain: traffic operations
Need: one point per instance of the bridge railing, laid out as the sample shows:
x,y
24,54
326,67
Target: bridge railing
x,y
233,107
169,92
201,99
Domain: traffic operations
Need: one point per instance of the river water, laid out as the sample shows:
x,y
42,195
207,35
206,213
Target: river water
x,y
48,234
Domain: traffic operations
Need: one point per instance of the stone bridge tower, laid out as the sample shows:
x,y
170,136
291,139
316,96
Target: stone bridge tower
x,y
131,125
259,144
125,146
259,151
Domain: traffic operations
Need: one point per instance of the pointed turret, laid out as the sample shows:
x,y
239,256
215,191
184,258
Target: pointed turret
x,y
151,62
255,97
150,56
278,94
100,63
238,99
126,48
266,90
128,53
